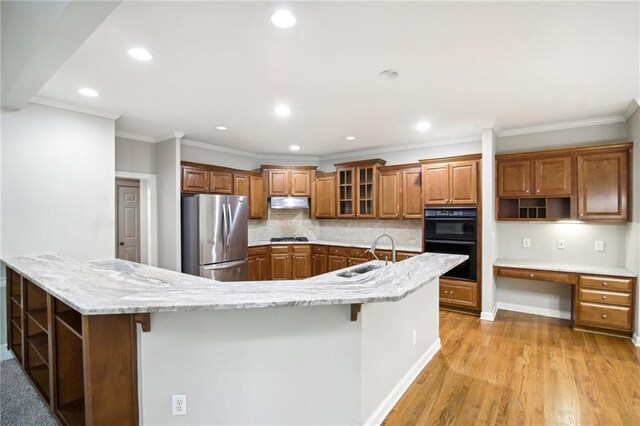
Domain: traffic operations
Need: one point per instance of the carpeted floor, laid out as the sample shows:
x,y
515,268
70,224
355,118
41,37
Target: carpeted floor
x,y
20,405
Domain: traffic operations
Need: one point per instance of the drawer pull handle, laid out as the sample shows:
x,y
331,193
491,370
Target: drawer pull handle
x,y
604,284
604,316
531,275
604,297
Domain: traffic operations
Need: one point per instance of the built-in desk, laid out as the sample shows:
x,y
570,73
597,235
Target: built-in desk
x,y
602,298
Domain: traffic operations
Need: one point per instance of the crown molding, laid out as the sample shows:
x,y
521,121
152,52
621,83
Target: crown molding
x,y
382,150
75,108
135,137
226,150
632,108
171,135
560,126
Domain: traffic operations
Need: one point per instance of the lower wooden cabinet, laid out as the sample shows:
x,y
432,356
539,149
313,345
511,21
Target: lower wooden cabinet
x,y
605,303
290,262
259,261
319,260
336,262
454,293
300,262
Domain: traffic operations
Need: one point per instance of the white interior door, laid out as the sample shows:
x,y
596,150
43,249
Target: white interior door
x,y
128,242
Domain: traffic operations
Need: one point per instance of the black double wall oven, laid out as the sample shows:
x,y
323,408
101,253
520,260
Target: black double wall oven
x,y
453,231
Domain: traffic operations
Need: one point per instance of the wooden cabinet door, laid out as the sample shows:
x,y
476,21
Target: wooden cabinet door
x,y
220,182
301,263
195,180
463,181
263,267
278,183
325,197
336,262
241,185
553,176
435,183
254,269
389,194
319,264
412,194
366,190
280,266
300,183
257,200
346,192
602,186
514,178
356,261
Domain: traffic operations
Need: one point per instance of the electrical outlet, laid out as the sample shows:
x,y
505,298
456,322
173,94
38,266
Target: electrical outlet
x,y
560,244
414,337
179,406
526,242
599,245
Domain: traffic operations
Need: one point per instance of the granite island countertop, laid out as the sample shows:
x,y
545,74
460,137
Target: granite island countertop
x,y
117,286
565,267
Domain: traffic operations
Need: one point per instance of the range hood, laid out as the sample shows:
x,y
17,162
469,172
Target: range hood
x,y
289,203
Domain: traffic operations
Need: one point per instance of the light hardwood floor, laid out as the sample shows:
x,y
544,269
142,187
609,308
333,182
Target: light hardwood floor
x,y
523,370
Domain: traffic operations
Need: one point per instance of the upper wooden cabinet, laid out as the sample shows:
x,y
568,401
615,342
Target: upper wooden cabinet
x,y
451,182
552,176
586,183
325,196
603,181
288,181
400,192
356,191
257,200
195,179
220,182
241,184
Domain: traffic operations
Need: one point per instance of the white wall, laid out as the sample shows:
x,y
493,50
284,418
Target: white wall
x,y
489,225
58,174
168,182
545,298
633,228
135,156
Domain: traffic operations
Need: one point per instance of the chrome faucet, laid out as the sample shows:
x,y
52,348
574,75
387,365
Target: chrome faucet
x,y
372,250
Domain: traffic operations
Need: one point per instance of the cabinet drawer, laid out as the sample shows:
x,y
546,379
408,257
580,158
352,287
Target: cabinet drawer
x,y
338,251
533,274
301,249
606,283
279,249
454,293
405,256
615,317
254,251
320,249
358,253
605,297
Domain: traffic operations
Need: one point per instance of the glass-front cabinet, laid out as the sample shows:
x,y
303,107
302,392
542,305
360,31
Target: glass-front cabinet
x,y
357,188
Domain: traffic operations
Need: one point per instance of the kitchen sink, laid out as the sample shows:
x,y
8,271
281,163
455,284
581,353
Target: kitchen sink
x,y
358,271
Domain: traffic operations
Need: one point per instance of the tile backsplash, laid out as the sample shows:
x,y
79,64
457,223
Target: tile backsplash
x,y
289,223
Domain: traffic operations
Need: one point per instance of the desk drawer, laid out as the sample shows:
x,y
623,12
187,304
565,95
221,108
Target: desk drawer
x,y
534,274
606,283
605,297
615,317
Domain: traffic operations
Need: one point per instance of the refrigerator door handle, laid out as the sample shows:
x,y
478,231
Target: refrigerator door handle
x,y
230,227
226,231
223,265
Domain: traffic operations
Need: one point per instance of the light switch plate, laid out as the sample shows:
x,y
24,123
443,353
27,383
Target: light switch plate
x,y
526,242
599,245
560,244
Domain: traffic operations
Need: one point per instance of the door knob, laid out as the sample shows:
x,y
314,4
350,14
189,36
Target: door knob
x,y
121,243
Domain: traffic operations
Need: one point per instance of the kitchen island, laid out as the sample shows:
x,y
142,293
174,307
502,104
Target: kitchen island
x,y
327,350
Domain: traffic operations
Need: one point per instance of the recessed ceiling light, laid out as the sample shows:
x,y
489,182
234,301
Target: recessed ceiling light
x,y
350,138
282,111
423,126
388,75
283,19
88,92
140,54
221,127
294,148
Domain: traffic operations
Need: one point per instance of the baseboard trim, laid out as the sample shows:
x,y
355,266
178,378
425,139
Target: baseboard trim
x,y
636,340
5,353
525,309
489,316
379,414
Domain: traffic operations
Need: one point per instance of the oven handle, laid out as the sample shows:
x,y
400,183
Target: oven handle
x,y
466,243
447,219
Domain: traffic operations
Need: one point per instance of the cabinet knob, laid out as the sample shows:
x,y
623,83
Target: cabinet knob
x,y
528,191
604,316
537,190
581,214
604,297
604,284
531,275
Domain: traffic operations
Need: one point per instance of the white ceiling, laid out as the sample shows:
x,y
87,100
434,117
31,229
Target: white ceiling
x,y
461,65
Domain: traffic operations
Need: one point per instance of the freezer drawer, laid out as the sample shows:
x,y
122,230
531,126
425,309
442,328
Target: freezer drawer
x,y
227,271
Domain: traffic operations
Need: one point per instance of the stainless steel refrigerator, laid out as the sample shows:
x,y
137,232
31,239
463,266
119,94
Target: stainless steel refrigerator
x,y
214,236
